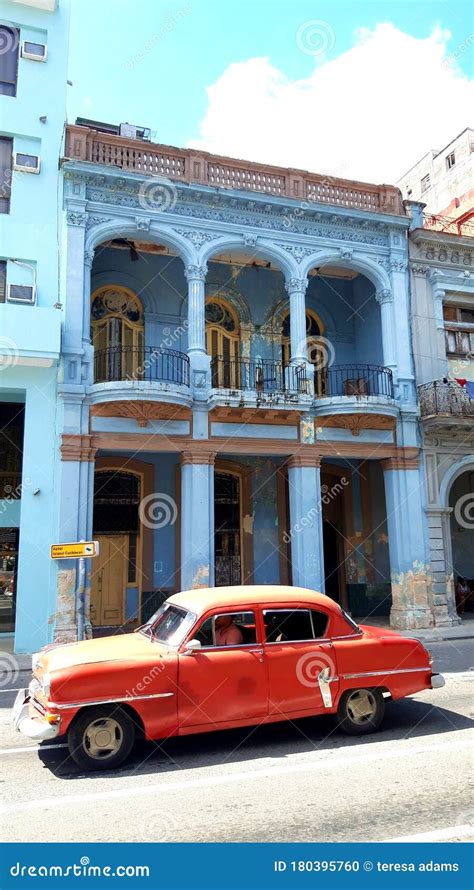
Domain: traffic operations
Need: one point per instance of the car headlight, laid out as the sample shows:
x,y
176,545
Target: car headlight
x,y
46,685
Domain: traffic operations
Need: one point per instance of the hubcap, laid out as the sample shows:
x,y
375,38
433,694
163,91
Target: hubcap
x,y
102,738
361,706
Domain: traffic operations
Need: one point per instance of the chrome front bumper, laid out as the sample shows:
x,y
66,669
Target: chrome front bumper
x,y
33,727
437,681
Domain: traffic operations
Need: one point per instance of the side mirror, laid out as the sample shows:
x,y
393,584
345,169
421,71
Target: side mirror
x,y
191,646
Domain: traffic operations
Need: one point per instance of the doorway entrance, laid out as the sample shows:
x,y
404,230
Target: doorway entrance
x,y
116,572
228,523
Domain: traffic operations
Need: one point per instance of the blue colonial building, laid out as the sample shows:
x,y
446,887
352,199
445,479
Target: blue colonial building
x,y
236,396
34,41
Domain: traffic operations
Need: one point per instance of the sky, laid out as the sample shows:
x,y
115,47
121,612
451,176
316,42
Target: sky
x,y
351,89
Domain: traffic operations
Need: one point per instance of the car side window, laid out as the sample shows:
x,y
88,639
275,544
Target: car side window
x,y
227,629
286,625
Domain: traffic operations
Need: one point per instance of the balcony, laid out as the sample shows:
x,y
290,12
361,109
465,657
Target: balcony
x,y
188,165
146,363
262,377
355,381
444,402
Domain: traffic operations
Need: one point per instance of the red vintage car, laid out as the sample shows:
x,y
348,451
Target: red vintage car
x,y
218,659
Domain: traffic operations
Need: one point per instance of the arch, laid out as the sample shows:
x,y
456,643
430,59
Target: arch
x,y
117,332
156,234
464,465
257,247
374,272
223,341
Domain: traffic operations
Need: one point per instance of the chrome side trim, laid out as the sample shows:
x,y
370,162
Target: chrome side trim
x,y
384,673
108,701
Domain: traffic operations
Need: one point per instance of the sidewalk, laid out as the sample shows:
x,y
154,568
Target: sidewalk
x,y
464,631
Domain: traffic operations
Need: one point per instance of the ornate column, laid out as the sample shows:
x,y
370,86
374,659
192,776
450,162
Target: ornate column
x,y
409,569
385,300
296,288
199,360
306,521
197,520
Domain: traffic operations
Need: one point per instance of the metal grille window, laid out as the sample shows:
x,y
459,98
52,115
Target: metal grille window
x,y
6,152
9,43
425,183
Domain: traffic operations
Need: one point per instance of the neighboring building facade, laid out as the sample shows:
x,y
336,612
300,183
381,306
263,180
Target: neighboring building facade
x,y
32,115
444,181
237,400
442,285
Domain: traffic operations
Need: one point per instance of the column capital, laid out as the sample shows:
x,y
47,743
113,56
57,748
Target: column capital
x,y
384,296
195,273
296,285
204,458
304,460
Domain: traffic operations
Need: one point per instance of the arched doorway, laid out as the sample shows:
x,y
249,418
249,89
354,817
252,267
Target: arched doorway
x,y
116,572
117,333
314,330
223,343
461,527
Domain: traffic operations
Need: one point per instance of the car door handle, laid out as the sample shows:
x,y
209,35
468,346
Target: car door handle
x,y
258,652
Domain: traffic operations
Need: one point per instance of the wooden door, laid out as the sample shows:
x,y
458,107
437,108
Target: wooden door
x,y
108,581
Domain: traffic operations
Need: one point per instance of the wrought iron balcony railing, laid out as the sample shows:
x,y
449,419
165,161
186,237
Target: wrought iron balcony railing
x,y
444,398
354,380
263,376
147,363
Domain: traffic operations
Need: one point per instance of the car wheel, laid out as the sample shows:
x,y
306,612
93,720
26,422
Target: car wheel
x,y
361,711
101,738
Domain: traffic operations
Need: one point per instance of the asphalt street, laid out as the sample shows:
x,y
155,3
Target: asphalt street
x,y
301,781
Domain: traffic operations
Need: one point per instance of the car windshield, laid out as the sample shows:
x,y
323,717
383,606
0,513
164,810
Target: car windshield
x,y
169,624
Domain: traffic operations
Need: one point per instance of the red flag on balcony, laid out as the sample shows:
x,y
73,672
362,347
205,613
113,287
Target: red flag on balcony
x,y
468,385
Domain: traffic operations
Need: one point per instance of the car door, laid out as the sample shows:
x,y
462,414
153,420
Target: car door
x,y
222,684
298,650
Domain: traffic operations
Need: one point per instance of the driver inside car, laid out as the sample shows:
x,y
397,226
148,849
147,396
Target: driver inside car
x,y
227,633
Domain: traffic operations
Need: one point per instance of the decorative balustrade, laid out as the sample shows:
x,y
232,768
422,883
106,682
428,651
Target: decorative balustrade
x,y
147,363
444,398
261,376
188,165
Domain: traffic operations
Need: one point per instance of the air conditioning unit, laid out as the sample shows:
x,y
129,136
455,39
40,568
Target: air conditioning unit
x,y
133,132
26,163
21,293
35,51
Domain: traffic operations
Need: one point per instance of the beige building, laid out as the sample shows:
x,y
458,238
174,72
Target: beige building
x,y
444,180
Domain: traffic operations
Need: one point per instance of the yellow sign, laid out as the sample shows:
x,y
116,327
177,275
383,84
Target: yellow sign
x,y
76,550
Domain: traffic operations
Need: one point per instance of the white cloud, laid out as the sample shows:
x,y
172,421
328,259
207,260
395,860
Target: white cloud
x,y
368,114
